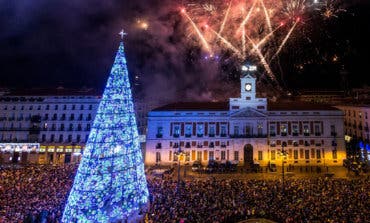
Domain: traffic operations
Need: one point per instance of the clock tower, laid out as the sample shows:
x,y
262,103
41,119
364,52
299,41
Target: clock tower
x,y
248,91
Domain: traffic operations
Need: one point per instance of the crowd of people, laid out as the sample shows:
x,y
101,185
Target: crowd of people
x,y
38,194
301,200
34,193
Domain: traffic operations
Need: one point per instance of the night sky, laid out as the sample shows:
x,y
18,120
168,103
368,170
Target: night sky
x,y
72,44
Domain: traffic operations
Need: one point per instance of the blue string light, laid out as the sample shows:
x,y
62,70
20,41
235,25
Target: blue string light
x,y
110,183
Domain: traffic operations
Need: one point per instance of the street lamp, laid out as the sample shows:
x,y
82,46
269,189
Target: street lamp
x,y
284,153
178,153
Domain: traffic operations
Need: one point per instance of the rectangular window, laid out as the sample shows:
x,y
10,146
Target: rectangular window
x,y
301,154
306,130
259,155
236,130
170,156
187,156
61,138
56,107
248,130
335,154
211,131
236,155
272,130
318,154
317,130
211,155
283,130
295,154
273,154
259,129
223,130
312,153
200,130
176,131
157,157
78,139
333,131
188,130
159,132
199,155
295,130
307,154
223,155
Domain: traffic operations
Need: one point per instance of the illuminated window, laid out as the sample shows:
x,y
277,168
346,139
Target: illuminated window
x,y
211,130
273,154
283,130
259,155
176,130
236,155
334,154
200,130
295,154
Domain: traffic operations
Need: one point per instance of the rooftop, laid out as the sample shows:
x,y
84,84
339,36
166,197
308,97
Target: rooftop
x,y
195,106
224,106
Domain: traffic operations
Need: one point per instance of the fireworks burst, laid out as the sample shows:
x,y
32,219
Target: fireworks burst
x,y
257,30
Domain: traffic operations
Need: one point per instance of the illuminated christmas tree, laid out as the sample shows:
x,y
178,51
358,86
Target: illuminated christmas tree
x,y
110,183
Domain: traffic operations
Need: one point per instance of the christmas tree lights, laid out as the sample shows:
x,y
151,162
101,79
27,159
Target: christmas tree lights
x,y
110,183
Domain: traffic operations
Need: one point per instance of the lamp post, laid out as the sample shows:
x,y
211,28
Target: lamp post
x,y
178,153
283,154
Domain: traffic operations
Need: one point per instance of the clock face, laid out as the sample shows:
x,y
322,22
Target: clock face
x,y
248,87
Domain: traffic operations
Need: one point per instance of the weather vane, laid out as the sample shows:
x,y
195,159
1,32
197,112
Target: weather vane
x,y
122,33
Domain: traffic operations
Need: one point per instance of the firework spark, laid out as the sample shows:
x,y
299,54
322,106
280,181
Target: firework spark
x,y
258,22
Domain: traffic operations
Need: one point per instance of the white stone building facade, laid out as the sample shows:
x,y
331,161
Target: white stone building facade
x,y
246,130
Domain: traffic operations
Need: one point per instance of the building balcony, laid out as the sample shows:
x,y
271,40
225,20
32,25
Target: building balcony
x,y
176,135
223,135
199,146
187,145
199,135
272,134
187,135
317,133
306,134
211,135
295,134
283,134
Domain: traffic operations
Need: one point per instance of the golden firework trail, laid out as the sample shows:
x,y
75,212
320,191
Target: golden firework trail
x,y
286,38
200,35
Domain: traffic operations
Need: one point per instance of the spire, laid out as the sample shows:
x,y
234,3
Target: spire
x,y
110,183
